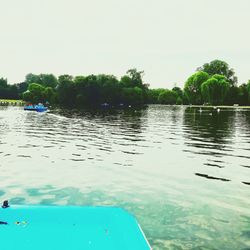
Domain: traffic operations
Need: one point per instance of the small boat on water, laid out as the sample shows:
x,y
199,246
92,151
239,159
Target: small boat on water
x,y
70,228
39,107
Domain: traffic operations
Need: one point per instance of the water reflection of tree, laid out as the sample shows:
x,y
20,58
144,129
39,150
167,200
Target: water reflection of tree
x,y
209,126
127,119
243,121
133,119
175,114
165,114
126,124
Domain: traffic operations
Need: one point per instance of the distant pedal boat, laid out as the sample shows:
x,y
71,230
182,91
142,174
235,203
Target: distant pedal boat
x,y
39,107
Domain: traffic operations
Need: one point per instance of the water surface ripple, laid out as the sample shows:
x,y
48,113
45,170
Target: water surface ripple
x,y
185,174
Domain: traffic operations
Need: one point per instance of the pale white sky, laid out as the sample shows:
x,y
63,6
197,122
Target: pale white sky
x,y
168,39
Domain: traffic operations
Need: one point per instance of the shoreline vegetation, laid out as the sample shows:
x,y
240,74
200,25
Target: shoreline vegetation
x,y
11,102
213,84
219,106
19,102
5,102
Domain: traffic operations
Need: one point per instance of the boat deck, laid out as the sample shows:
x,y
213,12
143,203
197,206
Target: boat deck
x,y
71,228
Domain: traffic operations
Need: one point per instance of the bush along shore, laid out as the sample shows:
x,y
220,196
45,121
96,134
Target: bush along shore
x,y
214,83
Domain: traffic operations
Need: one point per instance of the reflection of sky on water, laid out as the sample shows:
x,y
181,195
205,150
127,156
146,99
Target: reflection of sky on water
x,y
146,161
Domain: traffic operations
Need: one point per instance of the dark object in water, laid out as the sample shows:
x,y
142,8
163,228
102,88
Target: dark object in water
x,y
211,177
247,183
5,204
3,223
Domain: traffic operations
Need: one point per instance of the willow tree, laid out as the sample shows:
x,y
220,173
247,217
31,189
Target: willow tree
x,y
215,89
192,88
219,67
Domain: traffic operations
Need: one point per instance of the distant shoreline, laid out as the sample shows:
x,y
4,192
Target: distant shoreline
x,y
219,106
21,102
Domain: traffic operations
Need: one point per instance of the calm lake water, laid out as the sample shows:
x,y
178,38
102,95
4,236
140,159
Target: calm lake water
x,y
183,173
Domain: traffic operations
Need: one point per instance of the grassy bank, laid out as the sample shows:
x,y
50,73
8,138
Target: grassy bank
x,y
11,102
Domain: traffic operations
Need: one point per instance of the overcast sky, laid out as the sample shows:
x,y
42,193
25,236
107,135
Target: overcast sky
x,y
168,39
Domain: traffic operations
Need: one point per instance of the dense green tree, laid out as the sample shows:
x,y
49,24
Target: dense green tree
x,y
3,82
80,85
153,95
136,77
111,90
27,96
66,91
248,88
232,96
46,80
93,90
32,78
132,96
179,100
7,91
218,67
243,95
167,97
192,88
50,95
96,90
34,94
179,94
65,79
21,87
215,89
13,92
126,82
178,91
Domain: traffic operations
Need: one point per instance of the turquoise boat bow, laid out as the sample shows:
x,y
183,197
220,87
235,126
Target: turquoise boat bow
x,y
71,228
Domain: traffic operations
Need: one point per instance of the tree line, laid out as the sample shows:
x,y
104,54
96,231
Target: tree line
x,y
213,83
